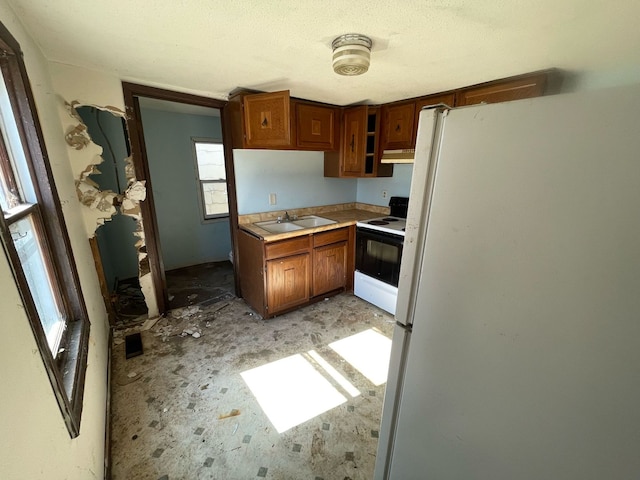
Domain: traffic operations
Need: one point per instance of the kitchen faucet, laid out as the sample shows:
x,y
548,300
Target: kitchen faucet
x,y
286,218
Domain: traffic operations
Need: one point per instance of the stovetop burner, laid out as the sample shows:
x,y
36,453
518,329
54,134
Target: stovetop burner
x,y
393,223
378,222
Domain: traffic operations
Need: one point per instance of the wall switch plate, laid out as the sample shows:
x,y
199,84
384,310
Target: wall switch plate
x,y
273,199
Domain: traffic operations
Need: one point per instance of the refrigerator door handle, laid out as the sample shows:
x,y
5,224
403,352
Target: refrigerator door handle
x,y
407,327
430,130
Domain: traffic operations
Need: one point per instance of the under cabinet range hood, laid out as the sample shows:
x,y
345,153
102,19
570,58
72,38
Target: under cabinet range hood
x,y
404,155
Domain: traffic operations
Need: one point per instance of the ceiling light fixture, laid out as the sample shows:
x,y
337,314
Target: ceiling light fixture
x,y
351,54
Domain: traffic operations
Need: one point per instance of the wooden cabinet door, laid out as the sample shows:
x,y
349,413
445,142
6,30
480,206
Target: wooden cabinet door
x,y
267,120
527,86
398,126
354,124
447,98
316,127
287,282
329,268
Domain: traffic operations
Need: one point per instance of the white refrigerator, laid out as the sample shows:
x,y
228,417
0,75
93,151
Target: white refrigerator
x,y
516,352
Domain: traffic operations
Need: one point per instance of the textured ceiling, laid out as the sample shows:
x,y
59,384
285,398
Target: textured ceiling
x,y
420,46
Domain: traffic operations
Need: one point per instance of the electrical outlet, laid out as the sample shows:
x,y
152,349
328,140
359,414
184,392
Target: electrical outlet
x,y
384,194
273,200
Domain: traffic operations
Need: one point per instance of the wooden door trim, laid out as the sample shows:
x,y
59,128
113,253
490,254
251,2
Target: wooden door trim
x,y
131,93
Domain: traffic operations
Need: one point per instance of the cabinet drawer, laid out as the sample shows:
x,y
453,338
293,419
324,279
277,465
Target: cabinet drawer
x,y
332,236
287,247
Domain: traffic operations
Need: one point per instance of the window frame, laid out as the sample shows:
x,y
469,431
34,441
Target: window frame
x,y
66,370
204,218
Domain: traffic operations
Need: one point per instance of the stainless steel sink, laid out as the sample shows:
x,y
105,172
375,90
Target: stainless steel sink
x,y
311,221
308,221
274,227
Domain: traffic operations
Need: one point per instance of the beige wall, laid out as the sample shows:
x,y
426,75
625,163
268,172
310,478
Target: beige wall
x,y
34,441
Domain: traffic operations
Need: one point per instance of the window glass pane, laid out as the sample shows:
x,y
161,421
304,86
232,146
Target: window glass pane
x,y
13,143
4,194
210,157
215,198
39,277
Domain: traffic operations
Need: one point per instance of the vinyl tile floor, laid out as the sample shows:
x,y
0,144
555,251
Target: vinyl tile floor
x,y
220,393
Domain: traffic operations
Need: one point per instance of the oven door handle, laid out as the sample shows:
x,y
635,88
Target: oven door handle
x,y
388,238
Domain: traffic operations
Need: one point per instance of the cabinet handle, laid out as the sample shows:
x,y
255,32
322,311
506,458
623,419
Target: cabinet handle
x,y
265,122
353,140
398,127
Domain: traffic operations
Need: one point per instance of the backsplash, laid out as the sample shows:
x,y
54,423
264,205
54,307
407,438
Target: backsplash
x,y
319,210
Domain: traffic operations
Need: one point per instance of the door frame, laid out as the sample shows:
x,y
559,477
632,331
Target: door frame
x,y
132,92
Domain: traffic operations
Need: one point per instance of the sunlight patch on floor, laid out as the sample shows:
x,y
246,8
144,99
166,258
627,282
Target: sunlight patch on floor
x,y
291,391
337,376
368,352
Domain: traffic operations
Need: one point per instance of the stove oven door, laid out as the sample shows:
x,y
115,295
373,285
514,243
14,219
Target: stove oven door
x,y
378,255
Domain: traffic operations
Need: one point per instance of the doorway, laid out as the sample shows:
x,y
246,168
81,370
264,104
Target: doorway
x,y
189,247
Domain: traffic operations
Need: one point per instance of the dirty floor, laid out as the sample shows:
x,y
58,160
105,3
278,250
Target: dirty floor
x,y
203,284
220,393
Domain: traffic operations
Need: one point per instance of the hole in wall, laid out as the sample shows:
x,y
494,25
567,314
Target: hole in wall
x,y
109,186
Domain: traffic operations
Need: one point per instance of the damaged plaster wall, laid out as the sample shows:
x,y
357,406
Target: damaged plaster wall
x,y
99,206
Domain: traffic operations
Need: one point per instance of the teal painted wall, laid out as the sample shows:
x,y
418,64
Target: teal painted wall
x,y
370,189
297,178
185,240
116,238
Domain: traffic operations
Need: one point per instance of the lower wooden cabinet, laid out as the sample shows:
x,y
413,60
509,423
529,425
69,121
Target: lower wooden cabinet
x,y
287,282
279,276
330,255
329,268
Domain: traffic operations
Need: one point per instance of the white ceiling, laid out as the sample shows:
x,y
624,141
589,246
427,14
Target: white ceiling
x,y
420,46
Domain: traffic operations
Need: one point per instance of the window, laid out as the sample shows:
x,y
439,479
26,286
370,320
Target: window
x,y
212,177
35,240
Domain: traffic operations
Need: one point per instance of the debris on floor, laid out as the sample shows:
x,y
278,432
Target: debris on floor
x,y
182,391
233,413
150,322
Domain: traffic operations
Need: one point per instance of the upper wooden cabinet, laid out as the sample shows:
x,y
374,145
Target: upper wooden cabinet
x,y
316,126
358,155
400,120
514,88
353,141
448,99
267,120
276,121
397,125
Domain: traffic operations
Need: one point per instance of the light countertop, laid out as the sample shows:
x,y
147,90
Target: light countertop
x,y
344,215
